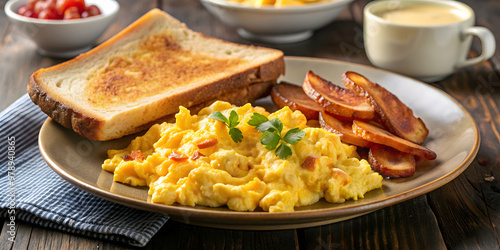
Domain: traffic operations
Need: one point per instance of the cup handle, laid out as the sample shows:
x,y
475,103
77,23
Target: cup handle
x,y
487,41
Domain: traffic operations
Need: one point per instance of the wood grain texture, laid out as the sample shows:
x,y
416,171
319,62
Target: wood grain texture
x,y
182,236
470,203
486,12
5,237
464,214
383,229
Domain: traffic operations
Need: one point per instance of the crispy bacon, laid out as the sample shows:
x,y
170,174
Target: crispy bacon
x,y
286,94
134,155
390,162
309,162
207,143
342,128
337,100
128,158
379,135
197,155
177,156
394,114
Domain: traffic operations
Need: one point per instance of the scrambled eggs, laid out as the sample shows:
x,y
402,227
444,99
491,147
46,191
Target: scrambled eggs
x,y
195,161
277,3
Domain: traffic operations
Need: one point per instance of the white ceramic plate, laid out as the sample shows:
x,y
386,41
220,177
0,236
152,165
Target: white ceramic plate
x,y
453,136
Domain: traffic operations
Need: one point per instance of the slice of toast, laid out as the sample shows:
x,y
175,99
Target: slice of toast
x,y
145,72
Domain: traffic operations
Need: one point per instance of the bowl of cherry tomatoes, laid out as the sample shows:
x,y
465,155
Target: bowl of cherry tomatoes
x,y
62,28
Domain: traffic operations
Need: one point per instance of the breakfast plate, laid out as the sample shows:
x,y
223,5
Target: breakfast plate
x,y
454,136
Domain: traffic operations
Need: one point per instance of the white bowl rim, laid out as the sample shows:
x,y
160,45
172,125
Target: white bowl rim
x,y
12,14
369,12
271,9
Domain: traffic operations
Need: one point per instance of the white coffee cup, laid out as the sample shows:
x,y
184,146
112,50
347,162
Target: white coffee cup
x,y
404,37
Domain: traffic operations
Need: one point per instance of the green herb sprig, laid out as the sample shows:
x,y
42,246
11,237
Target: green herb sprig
x,y
231,123
272,138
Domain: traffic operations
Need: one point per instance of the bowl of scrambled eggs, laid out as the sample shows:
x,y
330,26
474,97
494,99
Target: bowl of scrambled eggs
x,y
201,161
276,21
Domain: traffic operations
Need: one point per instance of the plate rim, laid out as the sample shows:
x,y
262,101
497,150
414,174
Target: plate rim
x,y
311,217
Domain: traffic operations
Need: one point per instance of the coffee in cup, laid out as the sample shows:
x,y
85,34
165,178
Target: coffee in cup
x,y
425,39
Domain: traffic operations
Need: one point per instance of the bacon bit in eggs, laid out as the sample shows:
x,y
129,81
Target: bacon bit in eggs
x,y
309,162
128,158
134,155
207,143
197,155
177,157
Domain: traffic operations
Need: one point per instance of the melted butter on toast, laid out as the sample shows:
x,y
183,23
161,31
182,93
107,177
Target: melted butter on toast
x,y
158,65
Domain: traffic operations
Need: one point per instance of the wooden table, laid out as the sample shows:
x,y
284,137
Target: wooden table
x,y
464,213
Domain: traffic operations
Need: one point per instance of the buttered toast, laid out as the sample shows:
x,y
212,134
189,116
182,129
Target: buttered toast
x,y
144,73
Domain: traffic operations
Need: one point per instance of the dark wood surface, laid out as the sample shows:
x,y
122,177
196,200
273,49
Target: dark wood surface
x,y
463,214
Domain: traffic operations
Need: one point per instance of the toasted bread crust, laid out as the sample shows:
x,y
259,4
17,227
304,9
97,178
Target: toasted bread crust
x,y
66,116
92,118
91,127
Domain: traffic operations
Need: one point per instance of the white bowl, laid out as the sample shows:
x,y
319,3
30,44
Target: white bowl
x,y
64,38
276,25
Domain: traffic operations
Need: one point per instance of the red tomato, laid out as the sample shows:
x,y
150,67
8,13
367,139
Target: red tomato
x,y
31,4
63,5
48,14
50,4
39,6
44,5
31,14
71,13
24,10
58,9
93,10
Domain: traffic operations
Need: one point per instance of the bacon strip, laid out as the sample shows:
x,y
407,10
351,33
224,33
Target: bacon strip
x,y
390,162
393,113
207,143
343,129
379,135
286,94
134,155
337,100
177,156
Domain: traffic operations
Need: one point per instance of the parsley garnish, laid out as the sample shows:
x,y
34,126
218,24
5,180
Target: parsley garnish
x,y
272,134
231,123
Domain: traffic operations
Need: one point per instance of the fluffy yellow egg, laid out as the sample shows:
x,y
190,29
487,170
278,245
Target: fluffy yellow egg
x,y
194,161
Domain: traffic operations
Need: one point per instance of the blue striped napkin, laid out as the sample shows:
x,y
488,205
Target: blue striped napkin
x,y
30,191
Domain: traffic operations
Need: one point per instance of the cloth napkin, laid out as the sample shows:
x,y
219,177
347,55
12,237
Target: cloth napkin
x,y
32,192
